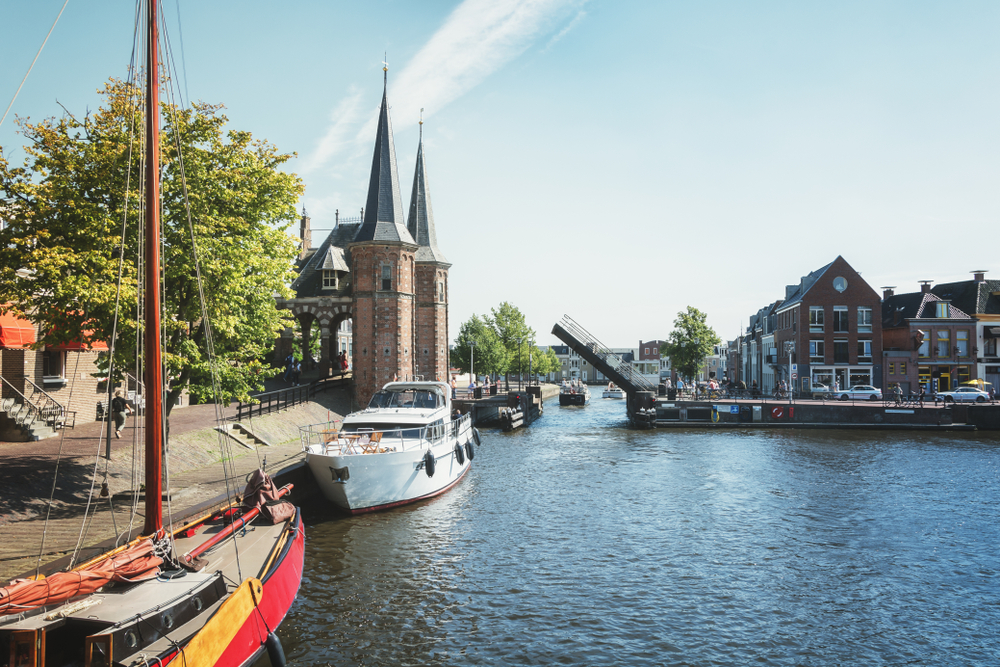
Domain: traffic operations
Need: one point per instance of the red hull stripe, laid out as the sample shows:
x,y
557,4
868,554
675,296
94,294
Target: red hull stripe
x,y
376,508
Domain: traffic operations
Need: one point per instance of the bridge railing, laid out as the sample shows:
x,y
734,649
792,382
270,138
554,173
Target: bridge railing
x,y
601,356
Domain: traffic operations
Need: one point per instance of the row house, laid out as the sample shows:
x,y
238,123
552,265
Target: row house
x,y
927,341
980,299
827,329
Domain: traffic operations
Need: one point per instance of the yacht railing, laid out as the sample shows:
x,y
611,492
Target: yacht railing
x,y
370,441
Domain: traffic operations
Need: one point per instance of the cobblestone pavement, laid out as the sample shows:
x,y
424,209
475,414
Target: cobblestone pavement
x,y
197,475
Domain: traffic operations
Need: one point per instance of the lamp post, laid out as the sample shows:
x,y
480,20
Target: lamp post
x,y
472,360
520,342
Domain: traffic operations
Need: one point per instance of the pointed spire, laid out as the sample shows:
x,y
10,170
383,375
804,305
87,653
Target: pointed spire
x,y
383,214
420,222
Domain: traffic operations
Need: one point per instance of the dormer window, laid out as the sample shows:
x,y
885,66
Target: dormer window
x,y
330,280
941,308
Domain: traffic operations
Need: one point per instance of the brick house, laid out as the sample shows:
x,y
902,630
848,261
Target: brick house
x,y
980,299
61,377
927,341
829,321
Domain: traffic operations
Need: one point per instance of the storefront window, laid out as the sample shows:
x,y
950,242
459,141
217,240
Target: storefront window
x,y
860,376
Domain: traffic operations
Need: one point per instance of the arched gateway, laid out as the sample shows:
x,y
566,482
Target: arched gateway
x,y
389,278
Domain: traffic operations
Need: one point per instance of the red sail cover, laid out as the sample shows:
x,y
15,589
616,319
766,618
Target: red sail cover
x,y
134,564
15,332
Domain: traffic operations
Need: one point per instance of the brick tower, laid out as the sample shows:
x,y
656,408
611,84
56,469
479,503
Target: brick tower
x,y
430,335
383,267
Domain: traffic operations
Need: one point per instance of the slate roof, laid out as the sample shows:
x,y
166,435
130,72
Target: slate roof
x,y
330,254
420,222
916,305
383,220
972,297
804,286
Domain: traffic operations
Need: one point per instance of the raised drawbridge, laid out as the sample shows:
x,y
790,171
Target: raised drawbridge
x,y
641,392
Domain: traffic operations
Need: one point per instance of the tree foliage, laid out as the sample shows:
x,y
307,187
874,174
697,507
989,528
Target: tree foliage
x,y
545,362
690,342
489,355
76,205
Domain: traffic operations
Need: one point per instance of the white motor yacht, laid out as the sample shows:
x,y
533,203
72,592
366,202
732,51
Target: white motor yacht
x,y
613,391
405,446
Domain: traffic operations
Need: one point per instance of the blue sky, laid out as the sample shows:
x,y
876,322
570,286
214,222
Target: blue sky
x,y
615,161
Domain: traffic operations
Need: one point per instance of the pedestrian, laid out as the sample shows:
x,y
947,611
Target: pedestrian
x,y
289,365
920,396
343,361
897,394
119,408
454,388
296,371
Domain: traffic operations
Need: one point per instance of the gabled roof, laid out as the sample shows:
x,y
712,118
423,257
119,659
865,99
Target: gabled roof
x,y
331,252
972,297
915,305
384,208
805,284
420,222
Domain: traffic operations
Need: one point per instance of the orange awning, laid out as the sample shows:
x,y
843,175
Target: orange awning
x,y
77,345
15,332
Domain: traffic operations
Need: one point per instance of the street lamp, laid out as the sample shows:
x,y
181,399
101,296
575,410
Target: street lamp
x,y
472,360
520,342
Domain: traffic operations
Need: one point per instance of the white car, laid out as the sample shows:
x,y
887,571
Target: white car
x,y
820,390
865,392
964,394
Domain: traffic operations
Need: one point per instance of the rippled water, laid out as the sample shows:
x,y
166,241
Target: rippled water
x,y
577,541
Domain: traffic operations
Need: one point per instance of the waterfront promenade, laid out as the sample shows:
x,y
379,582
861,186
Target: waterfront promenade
x,y
196,477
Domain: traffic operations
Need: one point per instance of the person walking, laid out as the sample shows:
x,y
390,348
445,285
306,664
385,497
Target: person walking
x,y
119,408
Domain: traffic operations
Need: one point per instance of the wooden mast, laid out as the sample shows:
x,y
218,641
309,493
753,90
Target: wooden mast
x,y
153,377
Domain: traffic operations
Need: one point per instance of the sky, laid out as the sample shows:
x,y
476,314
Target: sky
x,y
613,161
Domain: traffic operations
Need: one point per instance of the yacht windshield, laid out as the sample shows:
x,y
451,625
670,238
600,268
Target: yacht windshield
x,y
408,398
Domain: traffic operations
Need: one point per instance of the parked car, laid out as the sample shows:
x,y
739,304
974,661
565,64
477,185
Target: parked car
x,y
864,392
964,394
820,390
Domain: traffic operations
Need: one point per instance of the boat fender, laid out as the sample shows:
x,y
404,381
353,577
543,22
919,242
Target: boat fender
x,y
275,653
459,454
429,463
475,436
470,450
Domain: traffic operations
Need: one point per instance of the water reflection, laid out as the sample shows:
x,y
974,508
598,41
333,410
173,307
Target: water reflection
x,y
577,541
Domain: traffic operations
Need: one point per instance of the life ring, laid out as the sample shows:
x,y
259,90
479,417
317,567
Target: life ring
x,y
459,454
777,412
475,436
470,450
429,463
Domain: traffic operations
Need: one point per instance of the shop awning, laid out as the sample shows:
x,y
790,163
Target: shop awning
x,y
78,346
15,332
991,332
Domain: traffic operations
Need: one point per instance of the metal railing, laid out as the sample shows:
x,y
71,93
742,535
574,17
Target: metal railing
x,y
366,441
51,411
603,355
282,399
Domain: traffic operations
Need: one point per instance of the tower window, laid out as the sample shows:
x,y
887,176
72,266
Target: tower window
x,y
329,279
386,277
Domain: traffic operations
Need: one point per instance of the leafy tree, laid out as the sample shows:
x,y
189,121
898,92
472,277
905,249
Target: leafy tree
x,y
80,185
489,355
514,334
690,342
545,362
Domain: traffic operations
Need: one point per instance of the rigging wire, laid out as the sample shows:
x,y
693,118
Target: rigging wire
x,y
32,66
228,458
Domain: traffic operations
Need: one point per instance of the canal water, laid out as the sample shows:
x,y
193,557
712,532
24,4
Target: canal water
x,y
577,541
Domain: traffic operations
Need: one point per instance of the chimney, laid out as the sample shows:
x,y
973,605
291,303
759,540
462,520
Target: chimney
x,y
888,291
925,286
305,232
979,275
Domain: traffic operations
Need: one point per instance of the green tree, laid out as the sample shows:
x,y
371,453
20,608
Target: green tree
x,y
80,186
690,342
514,334
545,362
490,355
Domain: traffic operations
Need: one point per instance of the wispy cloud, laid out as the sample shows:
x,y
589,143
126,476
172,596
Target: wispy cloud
x,y
477,39
562,33
343,119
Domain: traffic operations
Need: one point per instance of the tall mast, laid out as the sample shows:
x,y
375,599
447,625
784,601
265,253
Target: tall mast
x,y
153,392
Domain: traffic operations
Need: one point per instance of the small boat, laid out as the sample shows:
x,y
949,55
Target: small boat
x,y
405,446
613,392
574,393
